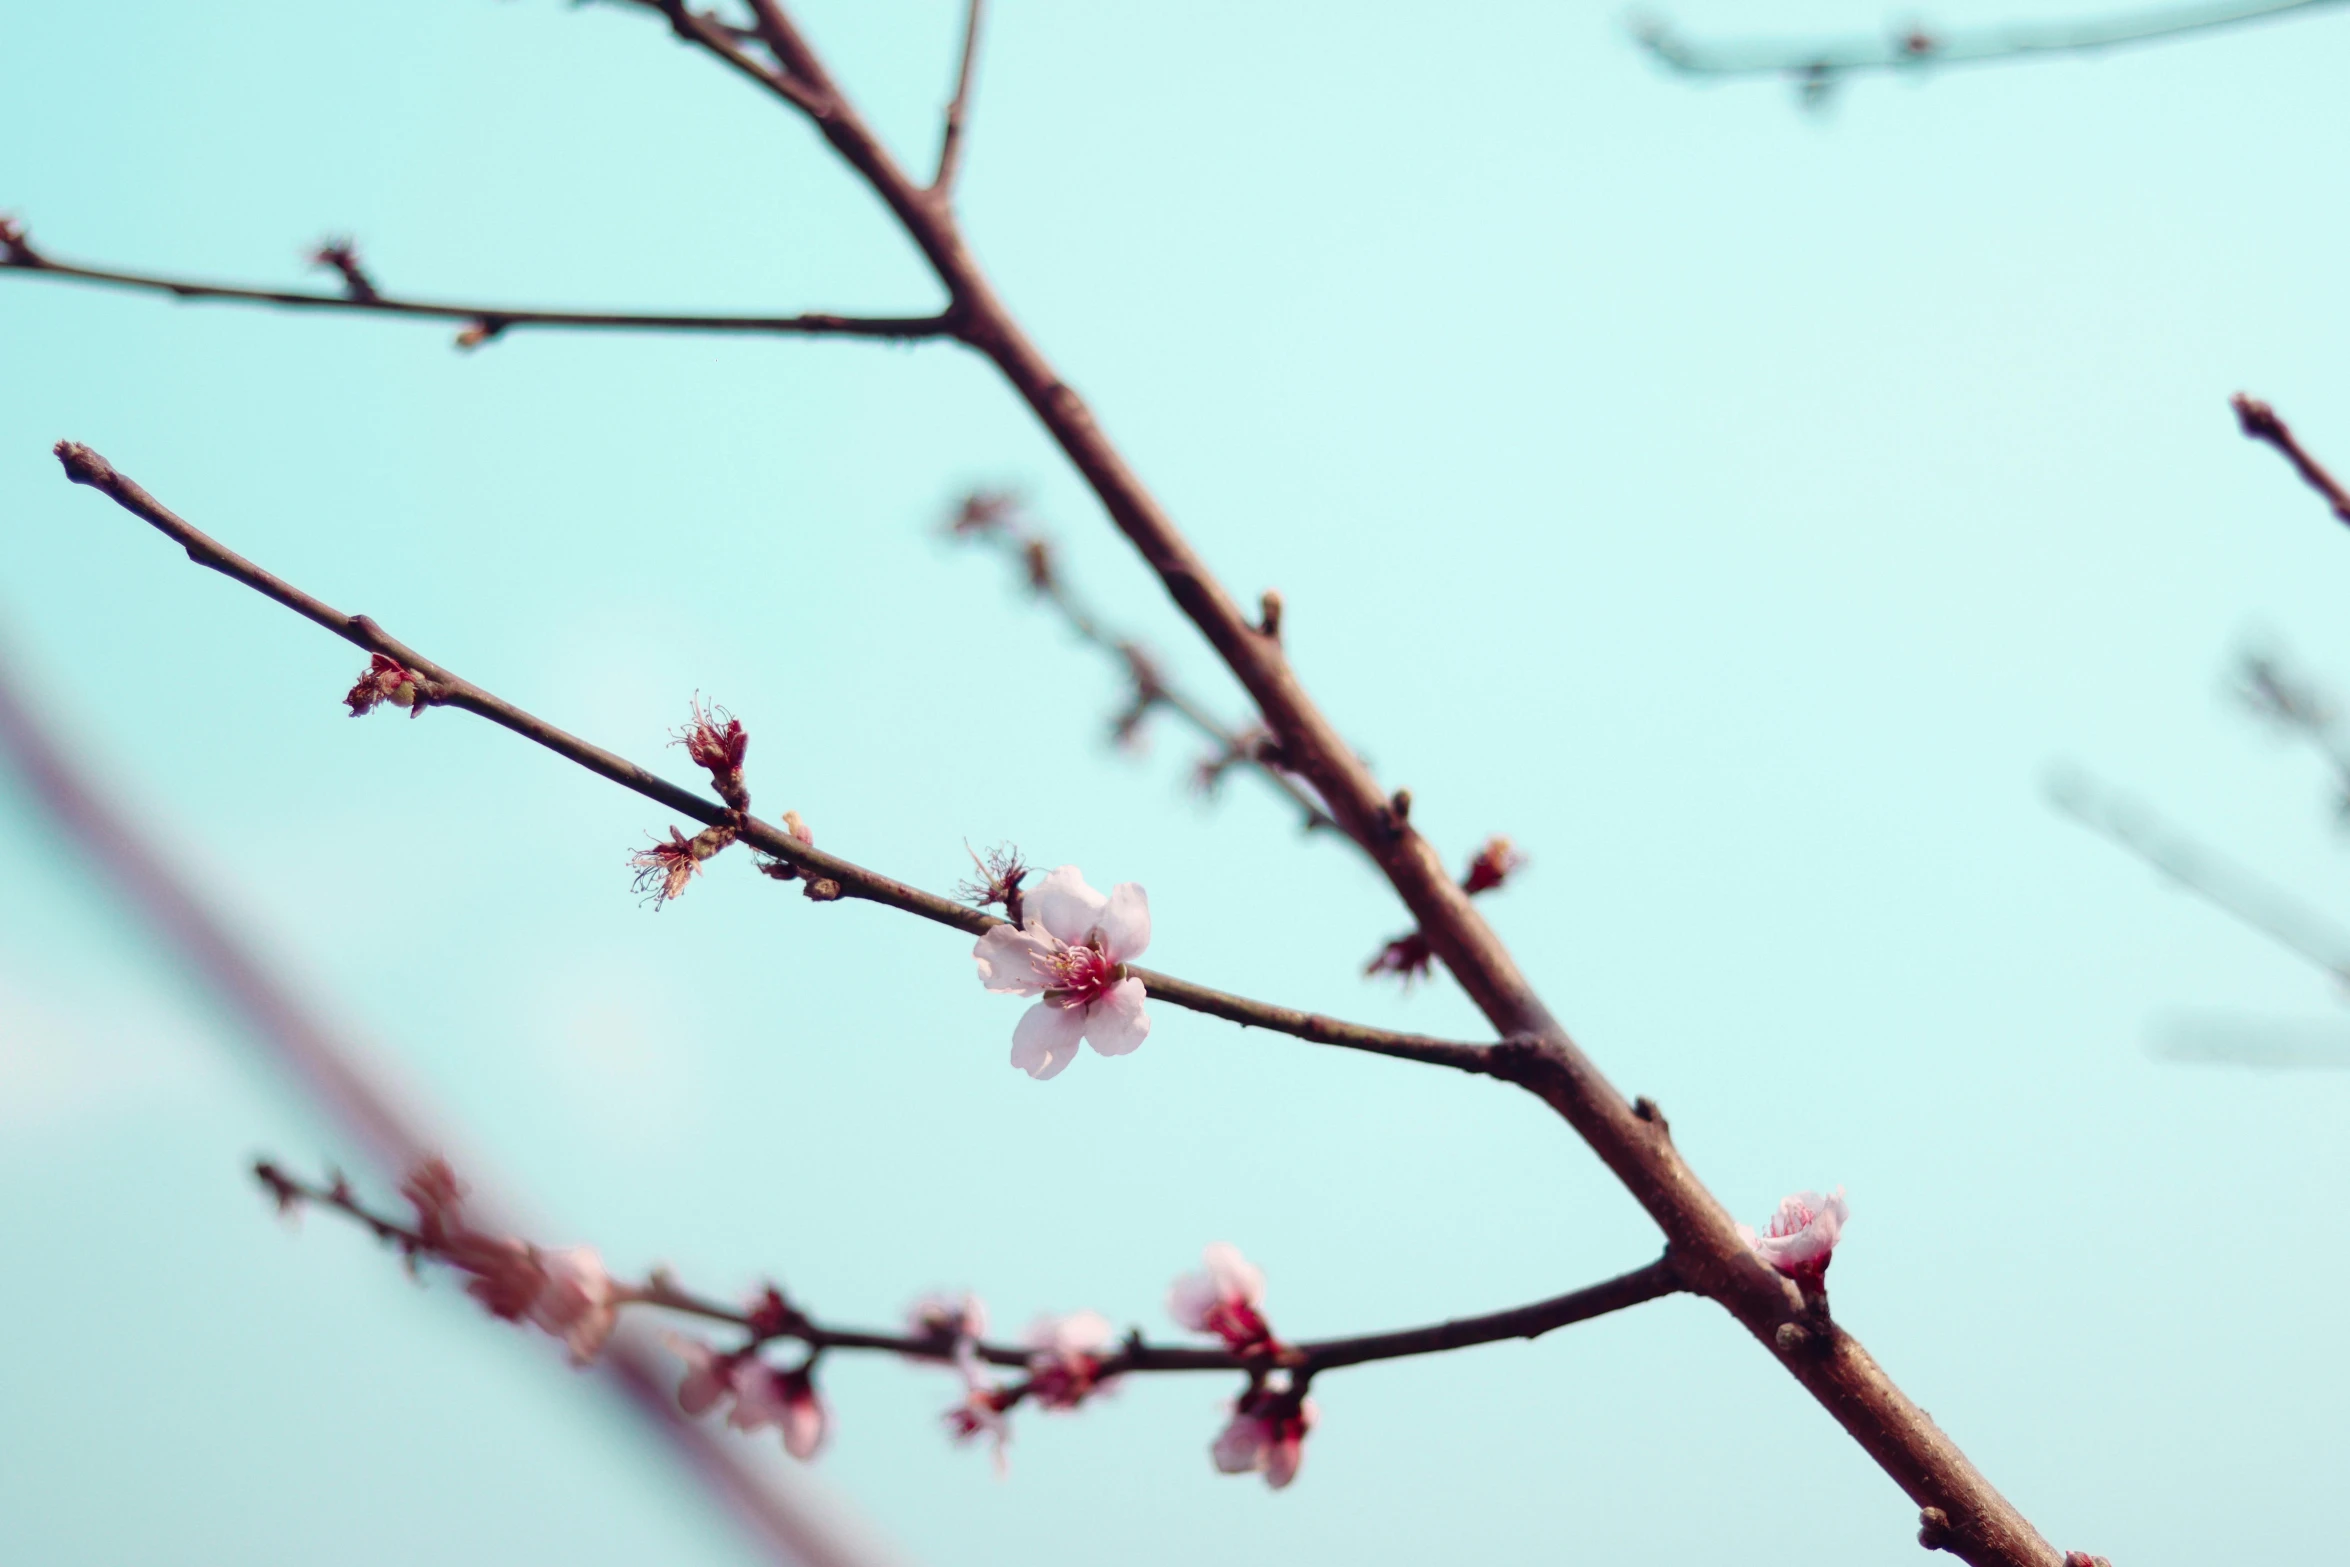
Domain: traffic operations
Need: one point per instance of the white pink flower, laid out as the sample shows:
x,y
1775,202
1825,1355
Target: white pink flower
x,y
764,1396
769,1396
576,1302
1069,952
1066,1366
1225,1298
1801,1240
1267,1436
941,1315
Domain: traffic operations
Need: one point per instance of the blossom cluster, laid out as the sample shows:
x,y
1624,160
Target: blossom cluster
x,y
564,1293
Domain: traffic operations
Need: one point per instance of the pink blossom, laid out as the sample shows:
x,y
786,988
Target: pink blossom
x,y
1225,1298
1070,951
709,1374
981,1413
1801,1241
1267,1436
1067,1364
941,1315
576,1302
766,1395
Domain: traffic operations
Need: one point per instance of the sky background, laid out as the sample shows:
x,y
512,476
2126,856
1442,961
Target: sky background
x,y
1743,508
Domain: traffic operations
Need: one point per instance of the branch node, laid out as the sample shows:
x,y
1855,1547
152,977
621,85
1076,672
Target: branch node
x,y
341,254
1645,1108
1269,614
16,244
1934,1532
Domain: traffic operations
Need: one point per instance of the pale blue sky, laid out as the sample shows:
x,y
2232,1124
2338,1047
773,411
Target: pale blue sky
x,y
1741,508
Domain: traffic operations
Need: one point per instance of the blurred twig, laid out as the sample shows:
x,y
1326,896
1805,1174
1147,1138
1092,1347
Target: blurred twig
x,y
2203,872
1816,64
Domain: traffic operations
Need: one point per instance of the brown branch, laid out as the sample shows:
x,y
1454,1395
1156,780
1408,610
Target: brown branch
x,y
950,143
1914,46
440,688
1135,1356
481,322
334,1072
1975,1521
2260,423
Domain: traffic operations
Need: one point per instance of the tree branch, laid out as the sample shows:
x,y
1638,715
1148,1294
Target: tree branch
x,y
950,143
1135,1357
1972,1520
481,322
444,689
1914,47
2260,423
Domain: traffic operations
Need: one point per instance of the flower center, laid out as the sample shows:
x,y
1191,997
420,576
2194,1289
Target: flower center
x,y
1081,975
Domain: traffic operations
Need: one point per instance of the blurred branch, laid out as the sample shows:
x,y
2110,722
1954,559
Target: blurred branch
x,y
993,520
332,1072
481,323
2260,423
2208,875
435,686
2297,706
2257,1043
1817,64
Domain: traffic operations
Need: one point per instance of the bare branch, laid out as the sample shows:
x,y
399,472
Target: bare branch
x,y
481,322
1816,64
435,686
950,144
2260,423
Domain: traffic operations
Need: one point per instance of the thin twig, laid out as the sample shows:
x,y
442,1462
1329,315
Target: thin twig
x,y
2260,422
1653,1281
1915,46
445,689
483,322
1033,557
950,143
333,1071
1971,1519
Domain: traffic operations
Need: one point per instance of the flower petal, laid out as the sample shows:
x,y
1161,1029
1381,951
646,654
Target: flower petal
x,y
1242,1445
1282,1458
1236,1278
1126,921
1046,1039
1010,960
1117,1023
1066,906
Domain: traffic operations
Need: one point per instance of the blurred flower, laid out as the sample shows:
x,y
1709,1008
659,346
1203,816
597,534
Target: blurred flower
x,y
1803,1234
1225,1298
1066,1366
1069,952
940,1315
1267,1435
576,1301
